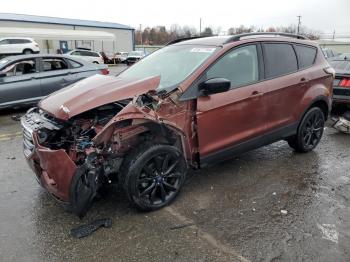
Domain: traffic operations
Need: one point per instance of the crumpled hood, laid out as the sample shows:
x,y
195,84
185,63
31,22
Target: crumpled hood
x,y
93,92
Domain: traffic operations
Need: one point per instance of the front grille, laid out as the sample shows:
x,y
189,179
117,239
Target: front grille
x,y
35,120
28,144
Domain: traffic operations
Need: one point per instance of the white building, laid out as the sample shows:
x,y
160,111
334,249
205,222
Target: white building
x,y
52,33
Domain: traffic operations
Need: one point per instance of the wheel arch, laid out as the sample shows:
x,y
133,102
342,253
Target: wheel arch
x,y
322,103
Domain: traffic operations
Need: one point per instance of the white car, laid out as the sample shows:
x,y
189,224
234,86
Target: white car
x,y
120,57
87,55
18,45
134,56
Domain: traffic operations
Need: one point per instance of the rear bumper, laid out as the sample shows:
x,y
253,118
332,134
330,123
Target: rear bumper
x,y
341,95
339,99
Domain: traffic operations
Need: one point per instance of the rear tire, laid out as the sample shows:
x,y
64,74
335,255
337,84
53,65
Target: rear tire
x,y
309,132
153,175
27,51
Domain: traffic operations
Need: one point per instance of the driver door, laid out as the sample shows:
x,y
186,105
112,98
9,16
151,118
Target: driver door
x,y
20,83
229,122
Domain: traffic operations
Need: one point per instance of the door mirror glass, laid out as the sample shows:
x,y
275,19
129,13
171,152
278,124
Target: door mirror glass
x,y
214,86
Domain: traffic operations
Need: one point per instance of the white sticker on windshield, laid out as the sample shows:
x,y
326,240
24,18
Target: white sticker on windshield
x,y
202,50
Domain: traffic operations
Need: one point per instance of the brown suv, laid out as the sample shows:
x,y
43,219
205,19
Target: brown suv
x,y
189,104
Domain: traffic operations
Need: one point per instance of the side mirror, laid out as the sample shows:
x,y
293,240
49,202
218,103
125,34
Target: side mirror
x,y
2,74
214,86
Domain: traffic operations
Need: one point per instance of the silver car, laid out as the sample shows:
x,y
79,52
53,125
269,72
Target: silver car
x,y
25,79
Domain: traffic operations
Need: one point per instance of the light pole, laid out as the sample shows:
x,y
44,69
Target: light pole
x,y
299,17
141,34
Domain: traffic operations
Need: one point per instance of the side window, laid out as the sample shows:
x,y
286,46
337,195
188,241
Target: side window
x,y
306,55
4,42
75,53
21,68
240,66
279,59
51,64
94,54
74,64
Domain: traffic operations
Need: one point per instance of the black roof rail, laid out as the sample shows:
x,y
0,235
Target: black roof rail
x,y
238,37
183,39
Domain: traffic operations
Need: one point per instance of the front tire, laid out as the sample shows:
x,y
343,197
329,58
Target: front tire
x,y
309,132
153,175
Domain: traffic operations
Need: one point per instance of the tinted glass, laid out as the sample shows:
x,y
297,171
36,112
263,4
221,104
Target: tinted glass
x,y
306,55
51,64
19,41
21,68
240,66
4,42
279,59
94,54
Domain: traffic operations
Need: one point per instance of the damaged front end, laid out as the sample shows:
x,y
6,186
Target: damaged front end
x,y
58,151
75,159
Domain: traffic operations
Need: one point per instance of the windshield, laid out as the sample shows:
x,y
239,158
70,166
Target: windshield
x,y
172,63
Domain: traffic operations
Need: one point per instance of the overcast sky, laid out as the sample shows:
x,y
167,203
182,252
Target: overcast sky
x,y
323,15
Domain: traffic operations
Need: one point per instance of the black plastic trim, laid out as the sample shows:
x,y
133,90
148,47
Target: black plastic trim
x,y
248,145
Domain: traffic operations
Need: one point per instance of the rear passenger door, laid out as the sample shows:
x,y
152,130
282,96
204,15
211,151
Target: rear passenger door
x,y
286,80
55,74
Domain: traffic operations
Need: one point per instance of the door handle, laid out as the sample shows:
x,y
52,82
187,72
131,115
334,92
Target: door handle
x,y
304,80
256,94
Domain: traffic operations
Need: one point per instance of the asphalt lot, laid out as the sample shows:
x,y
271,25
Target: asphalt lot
x,y
270,204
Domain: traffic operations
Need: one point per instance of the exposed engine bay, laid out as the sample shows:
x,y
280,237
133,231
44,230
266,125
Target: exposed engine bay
x,y
97,164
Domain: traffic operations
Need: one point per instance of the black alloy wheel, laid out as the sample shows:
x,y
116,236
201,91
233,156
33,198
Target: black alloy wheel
x,y
155,175
310,131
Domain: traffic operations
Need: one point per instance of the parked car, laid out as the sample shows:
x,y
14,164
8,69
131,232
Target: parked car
x,y
329,53
187,105
107,57
345,56
134,56
18,45
89,56
25,79
120,57
341,84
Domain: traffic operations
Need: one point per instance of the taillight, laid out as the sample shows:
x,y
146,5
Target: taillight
x,y
345,82
105,71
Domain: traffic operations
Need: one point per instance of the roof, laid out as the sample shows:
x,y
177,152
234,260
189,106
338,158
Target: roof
x,y
221,40
55,33
60,21
8,59
20,57
211,40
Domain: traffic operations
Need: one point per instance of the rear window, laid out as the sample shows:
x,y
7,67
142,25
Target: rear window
x,y
279,59
306,55
74,64
93,54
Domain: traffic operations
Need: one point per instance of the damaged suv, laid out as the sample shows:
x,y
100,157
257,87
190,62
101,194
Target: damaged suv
x,y
192,103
